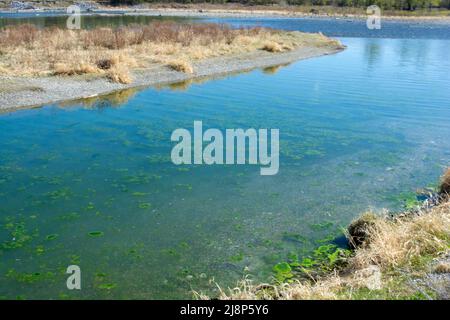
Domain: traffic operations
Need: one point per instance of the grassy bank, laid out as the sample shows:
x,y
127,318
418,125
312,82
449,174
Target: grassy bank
x,y
28,51
395,256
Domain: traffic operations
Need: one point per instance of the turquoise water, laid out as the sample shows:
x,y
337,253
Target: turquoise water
x,y
91,182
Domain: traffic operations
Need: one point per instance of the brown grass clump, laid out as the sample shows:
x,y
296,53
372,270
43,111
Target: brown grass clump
x,y
77,69
180,66
30,51
359,229
444,188
272,46
119,74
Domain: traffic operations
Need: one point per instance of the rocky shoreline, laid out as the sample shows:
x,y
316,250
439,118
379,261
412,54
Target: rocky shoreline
x,y
224,12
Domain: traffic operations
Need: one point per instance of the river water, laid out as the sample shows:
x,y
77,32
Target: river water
x,y
91,183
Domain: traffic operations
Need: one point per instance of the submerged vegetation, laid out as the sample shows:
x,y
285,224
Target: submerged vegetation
x,y
394,256
114,52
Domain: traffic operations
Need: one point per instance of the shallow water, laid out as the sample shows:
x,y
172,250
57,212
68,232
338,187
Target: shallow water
x,y
91,183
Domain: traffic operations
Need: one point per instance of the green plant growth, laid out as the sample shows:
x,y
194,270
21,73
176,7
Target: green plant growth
x,y
283,271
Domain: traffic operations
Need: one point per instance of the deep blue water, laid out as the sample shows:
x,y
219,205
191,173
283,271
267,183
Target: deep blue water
x,y
360,129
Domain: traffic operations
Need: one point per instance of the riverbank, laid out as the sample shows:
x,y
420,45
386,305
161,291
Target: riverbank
x,y
393,256
60,65
235,10
242,11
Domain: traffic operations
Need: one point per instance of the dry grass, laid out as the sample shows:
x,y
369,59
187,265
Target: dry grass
x,y
119,74
388,250
272,46
180,66
401,242
29,51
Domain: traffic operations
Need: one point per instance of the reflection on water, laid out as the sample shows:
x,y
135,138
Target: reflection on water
x,y
87,21
274,69
95,186
112,100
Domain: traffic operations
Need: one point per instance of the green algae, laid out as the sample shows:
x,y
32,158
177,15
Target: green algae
x,y
139,194
19,236
29,277
69,216
141,178
75,259
90,206
184,186
51,237
145,205
107,286
294,237
237,257
321,226
283,271
64,194
40,250
408,200
96,234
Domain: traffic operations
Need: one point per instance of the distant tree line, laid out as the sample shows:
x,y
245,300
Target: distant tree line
x,y
385,4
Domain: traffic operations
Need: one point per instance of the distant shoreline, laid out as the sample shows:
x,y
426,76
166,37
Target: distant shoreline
x,y
224,11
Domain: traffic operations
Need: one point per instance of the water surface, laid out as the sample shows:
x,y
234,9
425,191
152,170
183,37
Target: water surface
x,y
91,183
